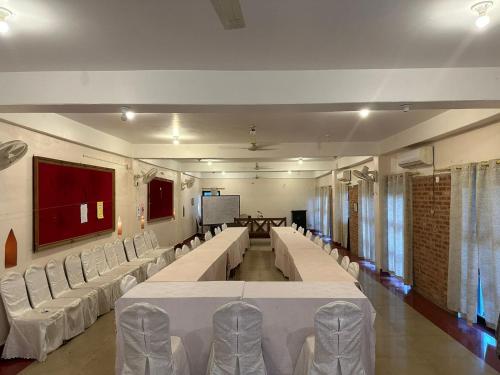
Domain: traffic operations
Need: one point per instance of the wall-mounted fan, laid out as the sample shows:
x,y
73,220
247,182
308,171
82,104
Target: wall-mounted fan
x,y
229,12
365,174
188,183
10,152
146,177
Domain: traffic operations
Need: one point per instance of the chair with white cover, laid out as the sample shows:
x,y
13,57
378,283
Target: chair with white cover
x,y
308,234
318,241
294,226
237,347
152,249
60,289
224,226
142,249
170,254
193,244
33,333
129,247
103,268
127,283
217,231
300,230
208,236
178,253
125,269
335,254
335,347
345,262
89,266
327,248
41,298
76,280
353,269
197,241
161,263
148,348
152,269
185,249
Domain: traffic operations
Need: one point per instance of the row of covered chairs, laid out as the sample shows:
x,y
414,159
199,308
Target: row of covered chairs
x,y
51,304
237,341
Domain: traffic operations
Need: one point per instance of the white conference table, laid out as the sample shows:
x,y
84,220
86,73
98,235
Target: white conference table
x,y
300,259
209,261
288,310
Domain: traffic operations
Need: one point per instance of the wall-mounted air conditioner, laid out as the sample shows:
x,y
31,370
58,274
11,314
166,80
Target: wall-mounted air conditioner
x,y
417,158
345,176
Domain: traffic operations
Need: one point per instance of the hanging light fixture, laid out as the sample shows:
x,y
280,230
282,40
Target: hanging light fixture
x,y
482,8
127,114
5,14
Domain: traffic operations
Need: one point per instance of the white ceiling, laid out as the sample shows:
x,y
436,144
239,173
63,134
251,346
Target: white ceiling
x,y
280,35
272,127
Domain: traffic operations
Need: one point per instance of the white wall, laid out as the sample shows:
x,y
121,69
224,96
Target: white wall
x,y
273,197
16,200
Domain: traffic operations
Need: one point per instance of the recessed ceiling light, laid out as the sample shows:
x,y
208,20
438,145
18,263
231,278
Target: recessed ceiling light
x,y
363,113
289,172
481,9
127,114
4,25
223,172
301,160
209,162
176,140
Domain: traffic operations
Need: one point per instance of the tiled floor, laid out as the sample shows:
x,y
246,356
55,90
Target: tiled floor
x,y
407,343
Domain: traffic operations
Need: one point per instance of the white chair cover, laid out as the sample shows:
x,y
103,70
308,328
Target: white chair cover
x,y
294,226
111,257
147,240
335,254
100,261
129,249
178,253
309,234
40,297
105,295
152,269
148,348
208,236
161,264
140,245
300,230
193,244
353,269
107,256
197,241
327,248
122,259
345,262
33,333
120,252
216,231
60,289
237,347
223,226
185,249
127,283
154,239
335,348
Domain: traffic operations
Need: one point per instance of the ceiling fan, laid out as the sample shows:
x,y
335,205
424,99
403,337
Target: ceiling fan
x,y
229,12
10,152
254,146
365,174
258,167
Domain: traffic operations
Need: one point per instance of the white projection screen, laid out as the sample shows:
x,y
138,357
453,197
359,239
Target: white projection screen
x,y
220,209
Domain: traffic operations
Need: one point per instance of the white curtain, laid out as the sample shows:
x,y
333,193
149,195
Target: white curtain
x,y
475,240
341,214
325,210
399,227
366,220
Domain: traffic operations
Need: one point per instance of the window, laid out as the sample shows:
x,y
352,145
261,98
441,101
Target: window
x,y
209,193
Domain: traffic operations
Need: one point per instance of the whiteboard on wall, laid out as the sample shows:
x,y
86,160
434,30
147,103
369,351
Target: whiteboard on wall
x,y
220,209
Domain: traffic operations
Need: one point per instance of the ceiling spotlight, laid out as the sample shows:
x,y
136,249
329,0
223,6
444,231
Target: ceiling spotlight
x,y
176,140
481,9
301,160
223,172
289,172
4,25
405,108
363,113
209,162
127,114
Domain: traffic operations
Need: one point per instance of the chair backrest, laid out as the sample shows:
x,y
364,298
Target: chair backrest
x,y
37,285
110,253
185,249
152,269
147,240
120,252
353,269
154,240
178,252
345,262
127,283
89,265
337,336
193,244
57,278
294,226
129,248
197,241
208,236
300,230
161,263
14,295
146,336
217,231
309,234
73,265
100,260
224,226
335,254
327,248
237,339
140,245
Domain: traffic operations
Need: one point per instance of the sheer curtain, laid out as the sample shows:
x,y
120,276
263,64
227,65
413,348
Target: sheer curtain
x,y
341,214
399,227
366,220
326,209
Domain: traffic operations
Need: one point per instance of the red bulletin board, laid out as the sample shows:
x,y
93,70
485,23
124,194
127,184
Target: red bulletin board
x,y
160,199
59,190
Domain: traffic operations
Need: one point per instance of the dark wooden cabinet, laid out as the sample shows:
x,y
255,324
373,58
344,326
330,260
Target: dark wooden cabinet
x,y
299,217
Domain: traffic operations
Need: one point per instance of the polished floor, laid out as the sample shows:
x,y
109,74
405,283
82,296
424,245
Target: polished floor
x,y
407,342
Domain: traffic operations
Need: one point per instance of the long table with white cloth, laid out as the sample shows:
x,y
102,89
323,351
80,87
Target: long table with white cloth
x,y
288,308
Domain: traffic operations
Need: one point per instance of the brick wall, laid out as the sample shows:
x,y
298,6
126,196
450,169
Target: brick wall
x,y
431,228
353,220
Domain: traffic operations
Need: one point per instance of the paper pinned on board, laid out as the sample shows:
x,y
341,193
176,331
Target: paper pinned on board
x,y
84,213
100,210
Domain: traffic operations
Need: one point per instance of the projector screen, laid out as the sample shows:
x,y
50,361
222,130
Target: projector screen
x,y
220,209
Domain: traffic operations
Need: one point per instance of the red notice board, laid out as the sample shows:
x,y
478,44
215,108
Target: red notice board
x,y
160,199
66,197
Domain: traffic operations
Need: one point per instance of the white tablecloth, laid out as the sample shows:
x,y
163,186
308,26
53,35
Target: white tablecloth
x,y
288,310
190,306
209,261
300,259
